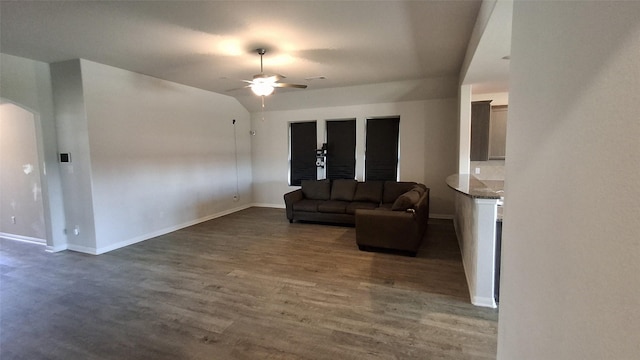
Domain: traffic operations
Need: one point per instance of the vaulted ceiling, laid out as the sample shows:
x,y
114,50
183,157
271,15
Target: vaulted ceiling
x,y
211,44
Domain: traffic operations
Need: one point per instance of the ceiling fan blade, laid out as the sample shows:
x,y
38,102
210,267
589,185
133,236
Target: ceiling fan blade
x,y
285,85
240,88
263,84
270,77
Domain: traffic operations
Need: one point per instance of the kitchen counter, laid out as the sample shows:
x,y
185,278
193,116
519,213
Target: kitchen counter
x,y
477,222
472,186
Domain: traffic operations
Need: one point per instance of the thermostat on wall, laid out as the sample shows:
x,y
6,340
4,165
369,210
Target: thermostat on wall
x,y
65,157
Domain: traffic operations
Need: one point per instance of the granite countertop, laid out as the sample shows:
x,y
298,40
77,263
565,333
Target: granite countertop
x,y
472,186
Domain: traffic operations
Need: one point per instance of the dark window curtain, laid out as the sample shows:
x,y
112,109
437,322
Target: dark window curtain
x,y
381,154
341,149
303,152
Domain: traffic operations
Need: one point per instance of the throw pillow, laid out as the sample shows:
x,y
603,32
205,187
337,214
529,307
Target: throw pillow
x,y
316,189
406,201
393,189
419,188
343,189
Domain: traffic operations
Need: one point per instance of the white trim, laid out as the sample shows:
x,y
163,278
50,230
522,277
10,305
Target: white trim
x,y
276,206
27,239
53,249
137,239
484,302
486,215
82,249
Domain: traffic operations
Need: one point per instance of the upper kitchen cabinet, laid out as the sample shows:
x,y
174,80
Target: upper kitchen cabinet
x,y
488,131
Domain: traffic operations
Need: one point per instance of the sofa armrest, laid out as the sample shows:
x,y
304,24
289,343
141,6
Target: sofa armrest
x,y
422,209
289,199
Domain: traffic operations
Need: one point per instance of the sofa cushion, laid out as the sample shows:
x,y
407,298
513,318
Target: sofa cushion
x,y
405,201
393,189
316,189
333,206
307,205
353,206
369,191
343,189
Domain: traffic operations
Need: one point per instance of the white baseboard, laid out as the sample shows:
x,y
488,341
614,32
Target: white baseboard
x,y
27,239
137,239
32,240
484,302
276,206
82,249
57,248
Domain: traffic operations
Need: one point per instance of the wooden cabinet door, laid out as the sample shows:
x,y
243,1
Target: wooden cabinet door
x,y
480,117
498,132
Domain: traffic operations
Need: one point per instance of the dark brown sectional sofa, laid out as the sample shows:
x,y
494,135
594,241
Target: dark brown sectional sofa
x,y
387,214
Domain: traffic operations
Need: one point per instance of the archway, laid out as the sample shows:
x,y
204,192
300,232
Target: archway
x,y
21,201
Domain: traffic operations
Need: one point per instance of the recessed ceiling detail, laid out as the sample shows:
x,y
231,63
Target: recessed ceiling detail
x,y
197,43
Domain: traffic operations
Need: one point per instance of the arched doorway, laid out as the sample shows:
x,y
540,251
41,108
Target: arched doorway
x,y
21,202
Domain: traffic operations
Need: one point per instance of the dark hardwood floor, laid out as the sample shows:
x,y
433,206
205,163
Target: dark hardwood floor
x,y
245,286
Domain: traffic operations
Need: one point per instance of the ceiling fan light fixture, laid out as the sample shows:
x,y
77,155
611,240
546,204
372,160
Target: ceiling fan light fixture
x,y
265,84
262,89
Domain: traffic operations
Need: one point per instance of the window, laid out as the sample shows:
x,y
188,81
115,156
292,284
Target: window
x,y
302,152
341,149
381,153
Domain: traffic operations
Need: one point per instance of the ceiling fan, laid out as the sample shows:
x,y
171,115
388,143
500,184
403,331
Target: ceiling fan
x,y
264,84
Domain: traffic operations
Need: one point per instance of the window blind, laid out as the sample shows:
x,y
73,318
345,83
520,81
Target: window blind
x,y
302,141
381,153
341,149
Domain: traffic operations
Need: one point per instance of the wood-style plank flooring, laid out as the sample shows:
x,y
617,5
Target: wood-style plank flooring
x,y
245,286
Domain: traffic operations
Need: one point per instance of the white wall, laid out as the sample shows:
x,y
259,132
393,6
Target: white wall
x,y
161,156
21,194
484,15
570,252
428,146
71,121
28,84
464,129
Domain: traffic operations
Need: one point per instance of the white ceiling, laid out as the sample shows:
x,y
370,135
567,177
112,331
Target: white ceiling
x,y
210,44
488,69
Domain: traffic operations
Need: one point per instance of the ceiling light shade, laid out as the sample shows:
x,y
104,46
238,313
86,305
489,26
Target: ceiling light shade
x,y
264,84
262,88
